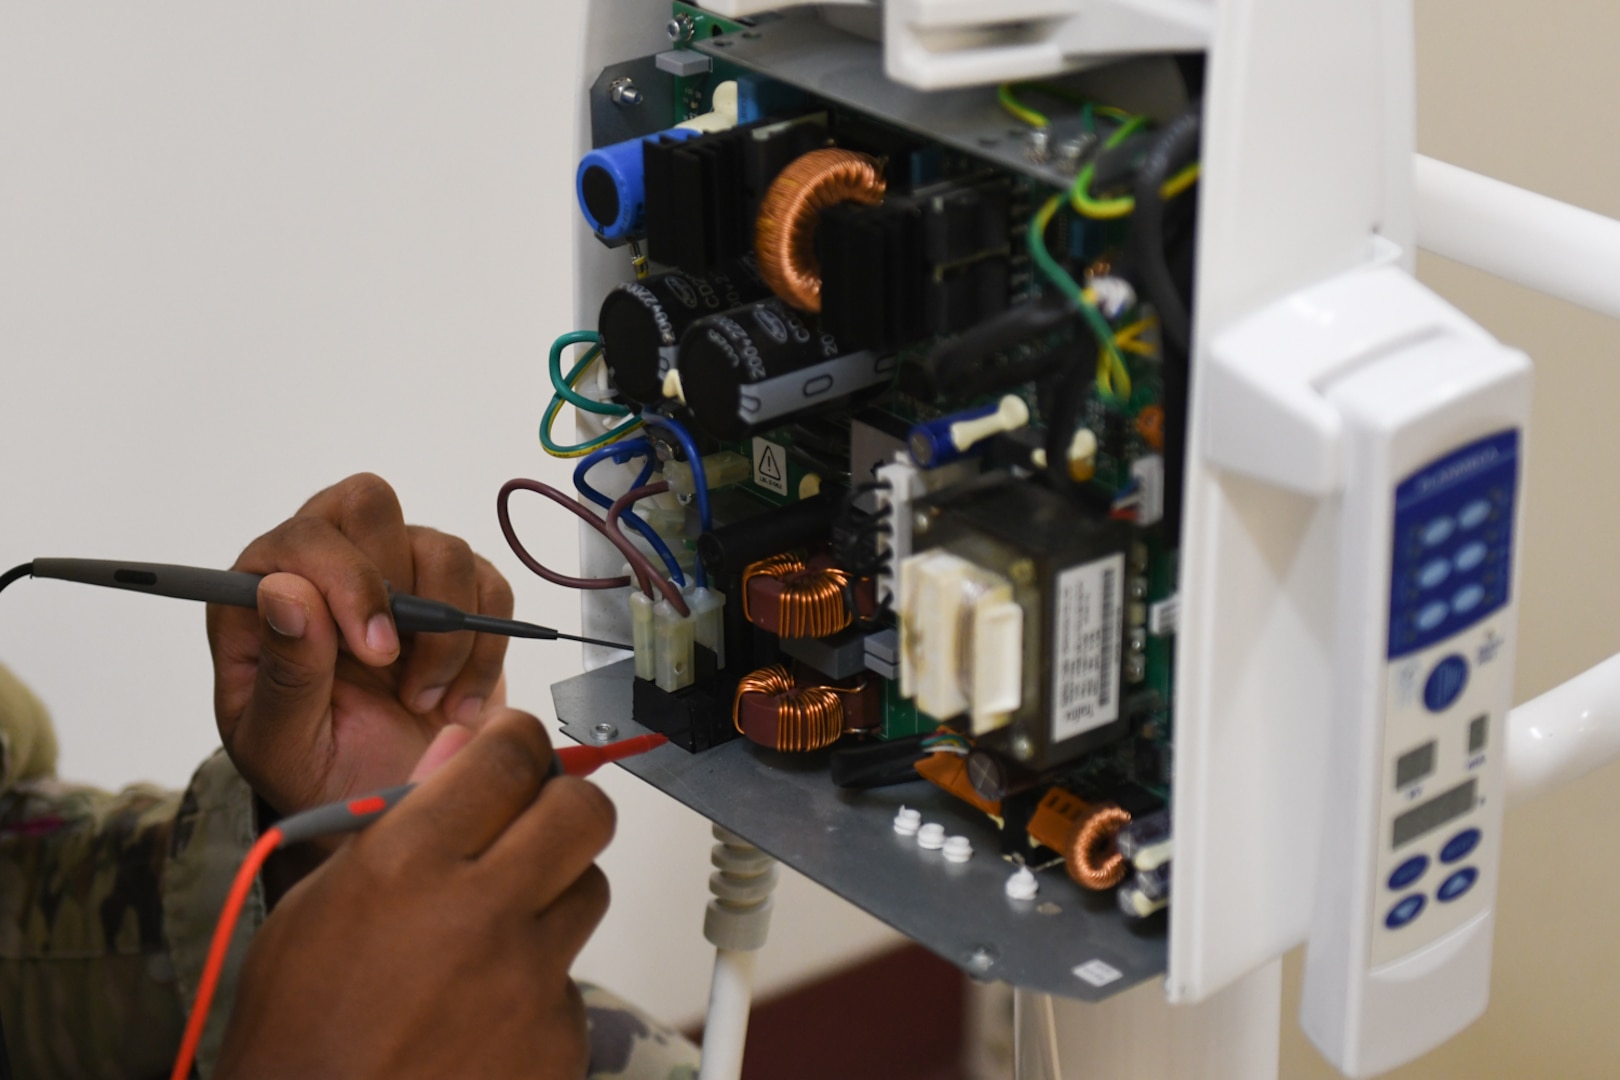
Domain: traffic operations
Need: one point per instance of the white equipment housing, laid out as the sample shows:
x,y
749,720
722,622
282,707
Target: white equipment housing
x,y
1323,376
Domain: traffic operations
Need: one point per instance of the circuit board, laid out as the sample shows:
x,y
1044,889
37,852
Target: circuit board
x,y
903,410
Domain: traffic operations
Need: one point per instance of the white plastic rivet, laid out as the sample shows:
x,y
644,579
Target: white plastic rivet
x,y
958,849
931,837
1022,885
907,821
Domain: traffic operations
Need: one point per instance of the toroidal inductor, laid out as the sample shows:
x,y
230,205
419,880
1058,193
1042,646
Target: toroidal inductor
x,y
785,231
786,596
1090,854
773,711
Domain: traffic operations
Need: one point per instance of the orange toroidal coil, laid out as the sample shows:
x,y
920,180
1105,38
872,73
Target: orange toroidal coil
x,y
786,596
772,710
1090,854
785,231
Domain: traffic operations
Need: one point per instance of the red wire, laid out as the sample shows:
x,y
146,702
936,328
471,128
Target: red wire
x,y
221,946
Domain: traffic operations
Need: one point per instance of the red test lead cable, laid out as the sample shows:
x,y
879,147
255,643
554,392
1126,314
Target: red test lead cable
x,y
343,817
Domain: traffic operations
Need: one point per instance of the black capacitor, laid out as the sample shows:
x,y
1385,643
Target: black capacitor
x,y
761,365
641,322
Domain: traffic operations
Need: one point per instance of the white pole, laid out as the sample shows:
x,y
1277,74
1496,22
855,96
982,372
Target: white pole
x,y
1138,1035
1548,245
736,924
1565,733
725,1031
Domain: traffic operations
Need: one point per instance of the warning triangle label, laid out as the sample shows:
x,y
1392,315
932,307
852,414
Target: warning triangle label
x,y
770,466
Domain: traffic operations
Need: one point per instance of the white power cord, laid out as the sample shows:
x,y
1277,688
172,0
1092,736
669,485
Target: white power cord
x,y
737,922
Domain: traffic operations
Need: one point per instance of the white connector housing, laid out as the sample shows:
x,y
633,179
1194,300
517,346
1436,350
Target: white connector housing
x,y
961,640
673,639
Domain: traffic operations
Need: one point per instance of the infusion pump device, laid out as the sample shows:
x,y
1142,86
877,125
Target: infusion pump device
x,y
1031,410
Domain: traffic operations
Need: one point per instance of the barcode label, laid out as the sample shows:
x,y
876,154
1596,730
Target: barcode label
x,y
1088,609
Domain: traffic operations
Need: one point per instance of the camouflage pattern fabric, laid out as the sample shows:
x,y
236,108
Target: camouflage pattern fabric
x,y
108,903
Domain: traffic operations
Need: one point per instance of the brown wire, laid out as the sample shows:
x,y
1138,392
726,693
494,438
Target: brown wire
x,y
813,603
807,717
1091,856
785,231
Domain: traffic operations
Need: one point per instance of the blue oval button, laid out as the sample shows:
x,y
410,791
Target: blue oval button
x,y
1445,683
1432,615
1433,573
1474,514
1437,531
1457,884
1467,598
1460,846
1471,555
1404,912
1408,872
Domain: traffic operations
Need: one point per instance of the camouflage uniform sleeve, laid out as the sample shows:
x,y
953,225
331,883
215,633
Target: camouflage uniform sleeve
x,y
626,1044
107,902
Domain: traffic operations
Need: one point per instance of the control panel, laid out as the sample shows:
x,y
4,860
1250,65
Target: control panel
x,y
1400,946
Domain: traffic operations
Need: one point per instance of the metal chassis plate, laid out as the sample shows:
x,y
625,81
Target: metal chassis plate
x,y
845,841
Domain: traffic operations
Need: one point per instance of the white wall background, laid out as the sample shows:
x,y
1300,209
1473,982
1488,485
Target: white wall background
x,y
246,251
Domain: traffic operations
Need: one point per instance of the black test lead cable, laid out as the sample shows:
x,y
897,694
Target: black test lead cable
x,y
233,588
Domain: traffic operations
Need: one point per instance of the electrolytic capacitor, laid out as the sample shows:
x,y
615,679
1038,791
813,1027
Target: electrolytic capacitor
x,y
611,186
756,367
641,322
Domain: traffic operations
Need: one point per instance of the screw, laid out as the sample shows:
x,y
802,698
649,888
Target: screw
x,y
1136,669
624,92
1139,588
1072,151
1022,571
1040,142
680,29
920,522
1023,747
1138,640
983,957
604,733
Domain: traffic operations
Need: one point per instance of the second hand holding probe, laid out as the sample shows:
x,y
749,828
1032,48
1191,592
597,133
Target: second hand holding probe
x,y
233,588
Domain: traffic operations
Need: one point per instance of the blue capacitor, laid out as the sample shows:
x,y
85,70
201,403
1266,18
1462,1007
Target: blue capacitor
x,y
611,187
930,442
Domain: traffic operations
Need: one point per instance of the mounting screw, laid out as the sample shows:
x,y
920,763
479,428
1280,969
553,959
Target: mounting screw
x,y
983,957
624,92
604,733
1040,144
1071,152
1022,571
1023,747
680,29
920,522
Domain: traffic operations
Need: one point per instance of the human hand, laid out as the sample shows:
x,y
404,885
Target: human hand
x,y
437,943
316,697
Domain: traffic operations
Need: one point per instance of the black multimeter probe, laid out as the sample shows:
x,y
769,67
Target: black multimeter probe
x,y
233,588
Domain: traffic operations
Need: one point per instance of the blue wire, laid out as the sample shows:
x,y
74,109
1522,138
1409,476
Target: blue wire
x,y
621,452
700,480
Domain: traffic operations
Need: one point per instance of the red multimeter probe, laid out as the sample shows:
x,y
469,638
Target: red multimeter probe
x,y
345,817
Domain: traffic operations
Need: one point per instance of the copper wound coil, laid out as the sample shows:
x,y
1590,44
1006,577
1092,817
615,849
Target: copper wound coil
x,y
1090,854
791,718
785,231
811,603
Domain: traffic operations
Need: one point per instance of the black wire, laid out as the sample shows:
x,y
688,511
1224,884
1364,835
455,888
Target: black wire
x,y
16,573
5,1052
1175,145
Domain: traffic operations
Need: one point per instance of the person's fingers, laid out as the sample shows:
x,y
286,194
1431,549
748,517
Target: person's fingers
x,y
570,920
445,570
462,808
554,840
449,742
474,689
348,579
286,711
365,509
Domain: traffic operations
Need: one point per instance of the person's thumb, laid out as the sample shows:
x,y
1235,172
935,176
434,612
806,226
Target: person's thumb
x,y
292,689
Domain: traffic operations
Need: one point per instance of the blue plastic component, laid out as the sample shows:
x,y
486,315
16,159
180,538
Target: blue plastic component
x,y
1460,846
1457,884
1446,683
759,97
1405,911
611,186
930,442
1408,872
1458,509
